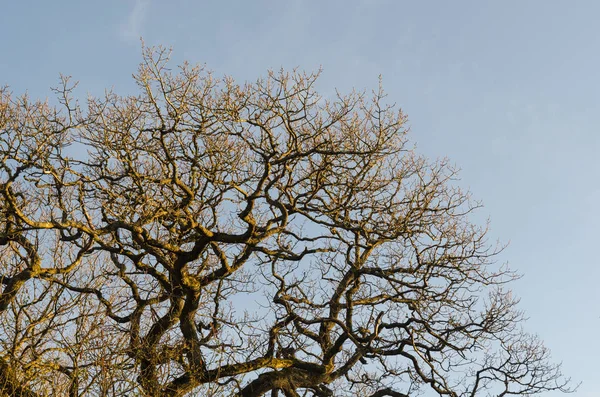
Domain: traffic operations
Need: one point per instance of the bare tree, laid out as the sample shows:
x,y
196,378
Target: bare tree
x,y
248,240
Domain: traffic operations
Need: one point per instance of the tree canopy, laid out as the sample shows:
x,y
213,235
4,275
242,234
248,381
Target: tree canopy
x,y
209,238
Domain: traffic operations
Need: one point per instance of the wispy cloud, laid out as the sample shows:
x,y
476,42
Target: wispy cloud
x,y
131,29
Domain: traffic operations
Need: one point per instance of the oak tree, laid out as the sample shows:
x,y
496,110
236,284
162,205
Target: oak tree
x,y
203,237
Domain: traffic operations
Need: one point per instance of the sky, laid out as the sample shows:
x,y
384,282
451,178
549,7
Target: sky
x,y
507,90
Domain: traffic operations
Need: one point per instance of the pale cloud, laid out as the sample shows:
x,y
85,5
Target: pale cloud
x,y
131,29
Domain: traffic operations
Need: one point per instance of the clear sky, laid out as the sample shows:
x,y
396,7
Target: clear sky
x,y
508,90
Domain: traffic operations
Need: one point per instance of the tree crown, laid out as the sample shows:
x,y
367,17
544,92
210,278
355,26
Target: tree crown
x,y
225,239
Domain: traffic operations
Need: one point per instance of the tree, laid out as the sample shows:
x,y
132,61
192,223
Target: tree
x,y
248,240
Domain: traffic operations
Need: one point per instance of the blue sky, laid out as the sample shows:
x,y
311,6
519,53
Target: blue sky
x,y
508,90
